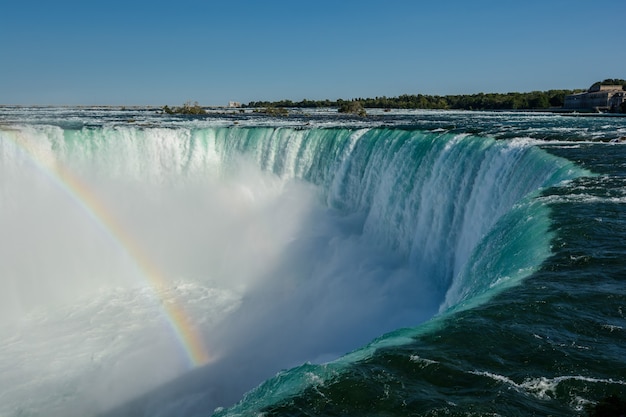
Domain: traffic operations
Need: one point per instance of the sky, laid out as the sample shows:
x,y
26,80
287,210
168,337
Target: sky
x,y
139,52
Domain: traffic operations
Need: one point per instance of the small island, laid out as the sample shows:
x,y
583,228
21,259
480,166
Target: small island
x,y
187,108
351,107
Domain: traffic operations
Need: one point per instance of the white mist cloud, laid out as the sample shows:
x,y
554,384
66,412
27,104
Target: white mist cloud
x,y
313,288
271,276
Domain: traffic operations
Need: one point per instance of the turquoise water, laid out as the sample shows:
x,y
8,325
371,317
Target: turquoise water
x,y
451,263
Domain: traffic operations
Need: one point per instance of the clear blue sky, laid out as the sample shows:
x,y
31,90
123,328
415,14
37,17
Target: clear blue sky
x,y
168,52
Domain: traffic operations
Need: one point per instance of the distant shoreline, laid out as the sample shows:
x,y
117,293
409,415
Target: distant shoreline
x,y
225,110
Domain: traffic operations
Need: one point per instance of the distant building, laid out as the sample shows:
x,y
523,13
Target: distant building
x,y
597,98
234,104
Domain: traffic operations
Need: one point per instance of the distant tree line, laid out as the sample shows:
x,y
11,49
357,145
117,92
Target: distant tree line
x,y
535,100
481,101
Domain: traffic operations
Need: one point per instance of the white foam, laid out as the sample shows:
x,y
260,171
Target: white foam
x,y
543,387
422,361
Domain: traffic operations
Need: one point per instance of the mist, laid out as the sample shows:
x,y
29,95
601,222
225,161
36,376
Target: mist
x,y
270,275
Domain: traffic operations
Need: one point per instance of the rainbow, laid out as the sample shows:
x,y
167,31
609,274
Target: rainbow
x,y
79,192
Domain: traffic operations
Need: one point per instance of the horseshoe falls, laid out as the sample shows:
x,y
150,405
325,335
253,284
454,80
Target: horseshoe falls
x,y
407,263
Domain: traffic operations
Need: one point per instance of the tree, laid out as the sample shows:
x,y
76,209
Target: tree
x,y
187,108
613,81
352,107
